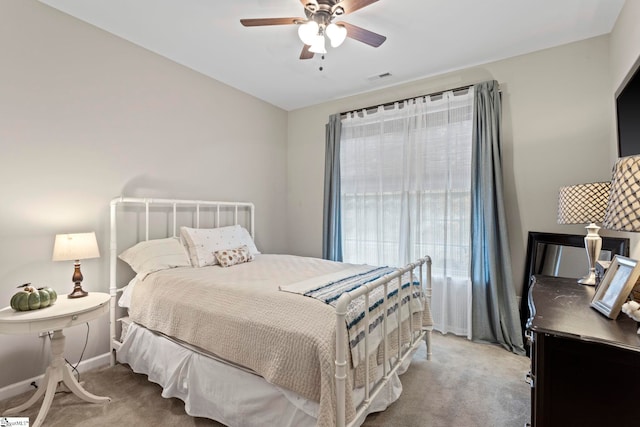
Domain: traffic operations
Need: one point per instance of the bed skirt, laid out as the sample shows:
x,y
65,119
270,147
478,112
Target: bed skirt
x,y
214,389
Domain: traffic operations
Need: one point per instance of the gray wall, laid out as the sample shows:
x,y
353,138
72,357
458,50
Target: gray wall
x,y
557,130
85,117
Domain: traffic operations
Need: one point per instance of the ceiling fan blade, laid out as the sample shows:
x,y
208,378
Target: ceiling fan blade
x,y
362,35
306,53
350,6
270,21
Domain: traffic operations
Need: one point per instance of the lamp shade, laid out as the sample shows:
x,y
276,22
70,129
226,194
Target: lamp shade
x,y
583,203
75,246
308,32
623,210
318,45
336,34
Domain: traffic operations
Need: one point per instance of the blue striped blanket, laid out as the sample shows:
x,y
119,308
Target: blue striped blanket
x,y
329,292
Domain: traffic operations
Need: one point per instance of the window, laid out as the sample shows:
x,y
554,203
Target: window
x,y
405,191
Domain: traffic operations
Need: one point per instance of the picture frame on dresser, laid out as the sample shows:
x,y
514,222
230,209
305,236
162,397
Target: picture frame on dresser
x,y
616,286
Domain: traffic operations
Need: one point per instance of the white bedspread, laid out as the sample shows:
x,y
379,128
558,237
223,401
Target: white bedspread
x,y
238,314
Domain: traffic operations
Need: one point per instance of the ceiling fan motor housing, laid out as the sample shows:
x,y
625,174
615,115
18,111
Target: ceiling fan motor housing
x,y
323,11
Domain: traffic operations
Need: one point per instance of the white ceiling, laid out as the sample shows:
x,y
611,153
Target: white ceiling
x,y
424,38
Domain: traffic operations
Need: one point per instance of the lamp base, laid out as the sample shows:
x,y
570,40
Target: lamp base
x,y
588,280
78,292
592,244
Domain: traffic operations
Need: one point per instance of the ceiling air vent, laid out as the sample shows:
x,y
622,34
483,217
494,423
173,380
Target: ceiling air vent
x,y
379,76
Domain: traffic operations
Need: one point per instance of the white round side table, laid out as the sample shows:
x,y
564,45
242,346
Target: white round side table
x,y
64,313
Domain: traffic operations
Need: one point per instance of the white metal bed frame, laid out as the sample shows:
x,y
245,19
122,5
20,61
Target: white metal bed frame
x,y
341,349
341,360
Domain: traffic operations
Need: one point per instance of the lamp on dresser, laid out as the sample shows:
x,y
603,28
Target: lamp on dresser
x,y
623,209
585,204
74,247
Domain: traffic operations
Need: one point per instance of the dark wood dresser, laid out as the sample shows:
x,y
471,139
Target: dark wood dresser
x,y
585,368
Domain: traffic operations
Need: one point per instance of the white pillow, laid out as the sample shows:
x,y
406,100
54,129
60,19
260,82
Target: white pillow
x,y
203,243
127,291
154,255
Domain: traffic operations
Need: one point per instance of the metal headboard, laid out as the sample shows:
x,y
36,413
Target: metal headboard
x,y
193,205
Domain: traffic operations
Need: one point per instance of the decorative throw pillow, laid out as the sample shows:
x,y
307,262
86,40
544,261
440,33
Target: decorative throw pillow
x,y
229,257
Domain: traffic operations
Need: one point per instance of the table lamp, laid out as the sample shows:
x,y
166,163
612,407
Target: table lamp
x,y
585,204
75,247
623,209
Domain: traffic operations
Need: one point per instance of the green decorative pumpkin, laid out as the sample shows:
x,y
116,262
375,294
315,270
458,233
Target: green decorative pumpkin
x,y
34,300
30,298
47,296
20,301
26,299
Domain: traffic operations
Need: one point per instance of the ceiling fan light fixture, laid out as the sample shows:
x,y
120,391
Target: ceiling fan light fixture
x,y
318,45
308,32
336,34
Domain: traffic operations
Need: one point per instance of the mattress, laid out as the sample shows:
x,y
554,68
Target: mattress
x,y
239,315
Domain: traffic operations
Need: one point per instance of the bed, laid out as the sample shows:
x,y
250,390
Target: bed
x,y
252,339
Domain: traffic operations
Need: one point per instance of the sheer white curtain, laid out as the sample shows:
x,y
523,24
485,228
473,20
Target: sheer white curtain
x,y
405,193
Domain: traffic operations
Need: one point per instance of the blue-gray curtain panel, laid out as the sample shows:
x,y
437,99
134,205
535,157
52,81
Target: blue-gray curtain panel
x,y
331,224
495,315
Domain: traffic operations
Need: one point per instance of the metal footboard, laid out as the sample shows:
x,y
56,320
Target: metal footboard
x,y
341,362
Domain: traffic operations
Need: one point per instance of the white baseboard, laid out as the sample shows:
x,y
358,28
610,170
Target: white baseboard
x,y
24,386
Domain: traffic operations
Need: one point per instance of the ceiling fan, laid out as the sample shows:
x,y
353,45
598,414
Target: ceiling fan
x,y
318,23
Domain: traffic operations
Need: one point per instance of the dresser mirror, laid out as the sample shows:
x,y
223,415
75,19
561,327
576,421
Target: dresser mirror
x,y
562,255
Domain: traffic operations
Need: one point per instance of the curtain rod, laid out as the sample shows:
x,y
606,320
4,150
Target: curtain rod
x,y
388,104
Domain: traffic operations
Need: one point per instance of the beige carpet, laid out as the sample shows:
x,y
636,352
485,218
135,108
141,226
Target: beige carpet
x,y
464,385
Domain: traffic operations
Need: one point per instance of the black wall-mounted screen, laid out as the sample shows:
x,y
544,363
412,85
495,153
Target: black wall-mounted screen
x,y
628,112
